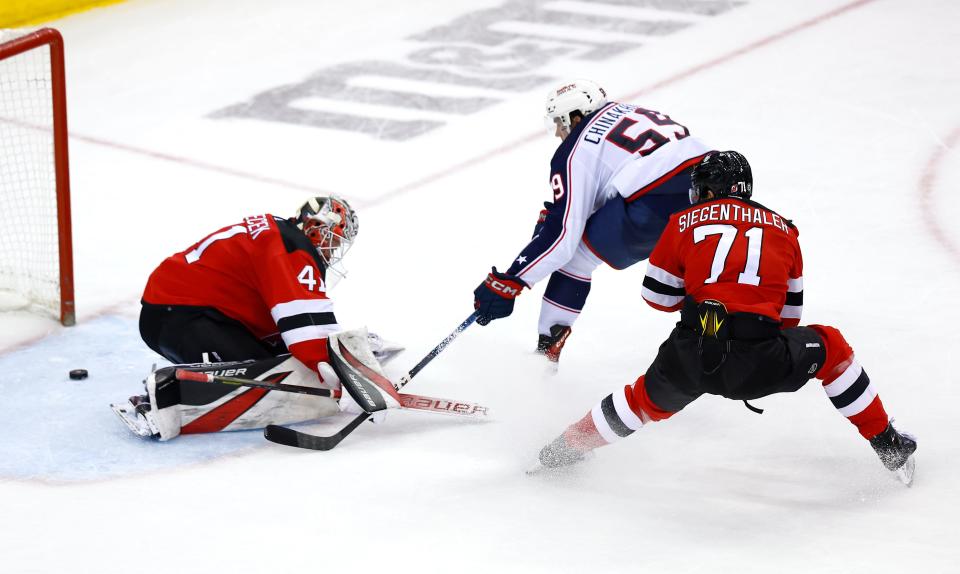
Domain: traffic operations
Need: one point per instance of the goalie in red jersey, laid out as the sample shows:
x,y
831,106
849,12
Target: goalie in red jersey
x,y
253,291
734,270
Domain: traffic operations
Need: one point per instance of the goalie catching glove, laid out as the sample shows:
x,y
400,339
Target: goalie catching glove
x,y
493,299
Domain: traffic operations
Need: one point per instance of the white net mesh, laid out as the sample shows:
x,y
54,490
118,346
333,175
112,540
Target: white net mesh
x,y
29,259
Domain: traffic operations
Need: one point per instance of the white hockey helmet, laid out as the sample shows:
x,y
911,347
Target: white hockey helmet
x,y
331,225
582,96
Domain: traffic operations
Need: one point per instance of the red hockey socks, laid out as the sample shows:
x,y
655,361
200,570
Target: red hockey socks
x,y
618,415
848,386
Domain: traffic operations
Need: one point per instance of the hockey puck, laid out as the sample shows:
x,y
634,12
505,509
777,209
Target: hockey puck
x,y
78,374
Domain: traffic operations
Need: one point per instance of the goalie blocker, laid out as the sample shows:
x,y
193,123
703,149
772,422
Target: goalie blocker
x,y
360,373
173,407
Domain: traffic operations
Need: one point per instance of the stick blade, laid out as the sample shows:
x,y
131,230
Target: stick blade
x,y
290,437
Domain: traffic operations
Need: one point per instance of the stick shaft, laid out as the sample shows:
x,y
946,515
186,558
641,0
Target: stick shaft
x,y
185,375
437,350
291,437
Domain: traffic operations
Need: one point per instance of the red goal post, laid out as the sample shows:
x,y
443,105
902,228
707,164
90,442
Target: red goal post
x,y
36,251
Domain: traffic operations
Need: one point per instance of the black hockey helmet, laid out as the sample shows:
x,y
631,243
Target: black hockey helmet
x,y
725,173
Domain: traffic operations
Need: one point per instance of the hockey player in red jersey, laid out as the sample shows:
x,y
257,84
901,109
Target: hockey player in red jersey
x,y
257,289
253,289
618,174
734,270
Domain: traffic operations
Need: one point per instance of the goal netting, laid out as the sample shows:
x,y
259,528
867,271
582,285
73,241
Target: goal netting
x,y
35,244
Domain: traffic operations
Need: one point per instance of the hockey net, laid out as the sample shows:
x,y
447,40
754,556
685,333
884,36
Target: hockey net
x,y
36,259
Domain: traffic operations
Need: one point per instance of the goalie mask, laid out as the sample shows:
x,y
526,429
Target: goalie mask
x,y
578,98
331,225
724,173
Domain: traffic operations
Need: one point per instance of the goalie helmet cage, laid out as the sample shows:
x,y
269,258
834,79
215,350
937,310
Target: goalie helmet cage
x,y
36,248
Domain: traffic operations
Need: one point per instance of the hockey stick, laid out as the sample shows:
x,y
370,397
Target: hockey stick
x,y
291,437
409,401
185,375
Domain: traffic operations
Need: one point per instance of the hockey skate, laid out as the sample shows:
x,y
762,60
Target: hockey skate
x,y
559,455
551,345
135,413
895,450
140,414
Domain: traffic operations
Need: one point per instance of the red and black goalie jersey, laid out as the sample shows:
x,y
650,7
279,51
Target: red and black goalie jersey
x,y
732,250
264,273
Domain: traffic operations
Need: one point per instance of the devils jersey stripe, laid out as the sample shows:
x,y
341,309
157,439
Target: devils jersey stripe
x,y
663,276
308,333
300,306
305,320
663,289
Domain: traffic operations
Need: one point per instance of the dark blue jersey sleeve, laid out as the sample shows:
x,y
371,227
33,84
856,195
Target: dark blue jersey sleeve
x,y
558,226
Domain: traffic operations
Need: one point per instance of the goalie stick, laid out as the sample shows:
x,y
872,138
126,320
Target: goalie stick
x,y
408,400
291,437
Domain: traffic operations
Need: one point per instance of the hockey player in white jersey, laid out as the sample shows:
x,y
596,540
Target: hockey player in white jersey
x,y
619,173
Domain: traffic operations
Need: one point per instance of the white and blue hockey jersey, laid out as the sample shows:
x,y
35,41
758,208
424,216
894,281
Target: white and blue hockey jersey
x,y
620,149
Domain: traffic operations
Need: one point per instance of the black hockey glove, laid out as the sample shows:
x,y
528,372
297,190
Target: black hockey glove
x,y
493,299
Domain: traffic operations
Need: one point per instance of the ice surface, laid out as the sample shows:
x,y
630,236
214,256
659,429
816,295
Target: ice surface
x,y
64,430
847,111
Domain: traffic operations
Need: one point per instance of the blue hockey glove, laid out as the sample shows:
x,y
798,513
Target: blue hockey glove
x,y
493,299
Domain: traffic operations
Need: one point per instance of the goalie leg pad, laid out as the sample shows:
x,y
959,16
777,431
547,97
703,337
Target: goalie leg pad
x,y
245,408
163,415
187,407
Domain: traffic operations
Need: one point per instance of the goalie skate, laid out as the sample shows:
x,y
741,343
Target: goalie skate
x,y
133,413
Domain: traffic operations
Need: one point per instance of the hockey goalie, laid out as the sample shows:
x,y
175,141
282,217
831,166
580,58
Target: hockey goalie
x,y
250,301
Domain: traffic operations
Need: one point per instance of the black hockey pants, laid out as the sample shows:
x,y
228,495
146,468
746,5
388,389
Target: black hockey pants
x,y
757,359
182,334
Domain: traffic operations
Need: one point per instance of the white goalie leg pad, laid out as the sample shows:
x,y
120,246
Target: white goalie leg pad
x,y
261,407
282,408
164,422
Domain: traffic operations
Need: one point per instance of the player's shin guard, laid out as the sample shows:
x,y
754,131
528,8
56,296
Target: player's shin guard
x,y
848,386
